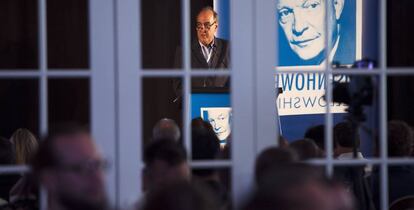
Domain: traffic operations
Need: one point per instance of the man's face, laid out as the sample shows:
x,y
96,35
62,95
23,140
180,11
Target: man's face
x,y
78,180
303,23
206,27
220,120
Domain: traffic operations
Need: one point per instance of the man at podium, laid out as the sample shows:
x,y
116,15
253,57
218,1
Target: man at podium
x,y
207,52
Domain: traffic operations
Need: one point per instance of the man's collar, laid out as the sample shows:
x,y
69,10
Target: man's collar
x,y
212,44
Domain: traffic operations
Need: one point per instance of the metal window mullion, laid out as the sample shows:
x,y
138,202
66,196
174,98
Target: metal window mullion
x,y
185,29
43,83
42,19
14,169
328,93
383,107
265,91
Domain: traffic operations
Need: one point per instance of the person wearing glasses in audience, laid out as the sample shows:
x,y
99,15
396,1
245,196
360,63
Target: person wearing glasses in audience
x,y
70,167
207,52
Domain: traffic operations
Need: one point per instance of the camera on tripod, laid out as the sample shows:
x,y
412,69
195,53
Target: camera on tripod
x,y
357,91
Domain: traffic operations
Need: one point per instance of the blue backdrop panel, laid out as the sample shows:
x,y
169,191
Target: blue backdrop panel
x,y
222,7
199,100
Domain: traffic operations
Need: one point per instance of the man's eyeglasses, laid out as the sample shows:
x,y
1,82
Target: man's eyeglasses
x,y
206,25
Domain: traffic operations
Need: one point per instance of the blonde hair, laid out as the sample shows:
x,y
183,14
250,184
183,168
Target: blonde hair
x,y
25,144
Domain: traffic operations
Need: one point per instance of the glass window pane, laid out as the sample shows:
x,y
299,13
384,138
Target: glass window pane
x,y
211,116
210,34
19,38
399,44
400,116
160,33
69,101
359,127
19,107
160,102
68,34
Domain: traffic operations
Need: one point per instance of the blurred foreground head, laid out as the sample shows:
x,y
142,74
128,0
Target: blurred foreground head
x,y
165,162
70,167
298,187
180,196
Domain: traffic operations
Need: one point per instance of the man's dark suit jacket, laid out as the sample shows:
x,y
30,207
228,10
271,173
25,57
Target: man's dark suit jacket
x,y
220,59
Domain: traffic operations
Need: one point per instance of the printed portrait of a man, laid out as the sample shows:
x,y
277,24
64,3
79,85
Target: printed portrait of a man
x,y
302,31
220,120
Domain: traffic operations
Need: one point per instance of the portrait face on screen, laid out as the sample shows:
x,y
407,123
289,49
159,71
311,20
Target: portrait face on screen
x,y
220,119
303,25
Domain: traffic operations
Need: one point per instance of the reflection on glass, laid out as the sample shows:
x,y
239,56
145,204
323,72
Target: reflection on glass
x,y
212,119
19,106
69,101
19,37
161,102
210,49
303,27
67,34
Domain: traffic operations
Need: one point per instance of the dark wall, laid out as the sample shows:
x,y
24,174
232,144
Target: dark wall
x,y
400,54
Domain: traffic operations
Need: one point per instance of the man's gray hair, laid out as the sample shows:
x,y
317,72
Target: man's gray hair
x,y
209,8
166,129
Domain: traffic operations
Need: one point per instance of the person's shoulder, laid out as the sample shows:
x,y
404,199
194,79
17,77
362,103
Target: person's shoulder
x,y
222,41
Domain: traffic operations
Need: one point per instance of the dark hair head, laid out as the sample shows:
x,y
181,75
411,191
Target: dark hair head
x,y
7,154
316,134
205,144
400,139
180,196
271,157
344,134
306,149
45,156
280,187
165,150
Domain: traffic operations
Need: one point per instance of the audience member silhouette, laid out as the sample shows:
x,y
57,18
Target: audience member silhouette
x,y
70,167
355,178
25,144
7,157
296,187
166,129
165,162
400,177
180,196
306,149
317,134
272,157
206,146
